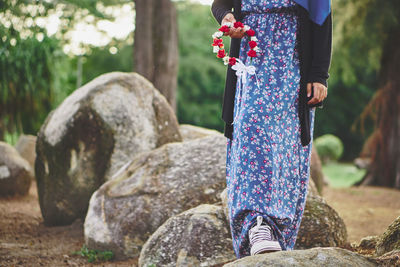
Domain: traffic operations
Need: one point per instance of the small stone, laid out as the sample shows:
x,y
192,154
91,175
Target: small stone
x,y
15,172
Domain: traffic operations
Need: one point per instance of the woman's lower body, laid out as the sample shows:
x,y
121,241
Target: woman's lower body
x,y
267,167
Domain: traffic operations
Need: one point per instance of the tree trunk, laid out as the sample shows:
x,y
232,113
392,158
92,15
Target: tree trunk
x,y
156,45
384,145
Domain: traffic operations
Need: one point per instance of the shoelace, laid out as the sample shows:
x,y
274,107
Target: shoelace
x,y
260,232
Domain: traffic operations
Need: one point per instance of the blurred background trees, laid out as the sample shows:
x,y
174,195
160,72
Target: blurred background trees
x,y
156,45
381,20
39,68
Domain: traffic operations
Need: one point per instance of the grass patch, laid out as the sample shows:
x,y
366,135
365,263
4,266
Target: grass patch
x,y
341,174
94,255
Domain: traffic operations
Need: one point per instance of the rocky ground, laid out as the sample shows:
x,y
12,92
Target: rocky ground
x,y
25,241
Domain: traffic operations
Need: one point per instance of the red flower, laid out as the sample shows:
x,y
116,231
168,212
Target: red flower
x,y
252,53
251,32
252,44
238,24
232,61
217,42
221,53
224,29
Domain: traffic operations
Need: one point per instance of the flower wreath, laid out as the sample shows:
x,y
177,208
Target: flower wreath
x,y
242,71
218,46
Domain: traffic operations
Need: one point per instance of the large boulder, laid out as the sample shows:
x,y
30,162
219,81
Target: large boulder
x,y
196,237
158,184
93,133
15,172
26,146
321,226
327,257
190,132
390,239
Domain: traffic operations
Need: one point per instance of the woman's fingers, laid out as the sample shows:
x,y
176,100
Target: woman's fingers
x,y
309,86
320,92
228,18
323,91
233,32
237,32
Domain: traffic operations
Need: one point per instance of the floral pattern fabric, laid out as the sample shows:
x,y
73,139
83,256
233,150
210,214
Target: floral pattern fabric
x,y
267,168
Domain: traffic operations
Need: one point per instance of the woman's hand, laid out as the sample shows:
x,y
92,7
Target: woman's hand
x,y
234,32
320,92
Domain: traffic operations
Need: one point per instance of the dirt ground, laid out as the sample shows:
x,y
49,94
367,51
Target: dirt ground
x,y
365,210
25,241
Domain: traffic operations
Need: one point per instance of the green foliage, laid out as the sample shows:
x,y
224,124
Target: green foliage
x,y
94,255
35,73
201,77
342,174
32,80
100,61
329,147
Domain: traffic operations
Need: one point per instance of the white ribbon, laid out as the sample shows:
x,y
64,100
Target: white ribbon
x,y
241,72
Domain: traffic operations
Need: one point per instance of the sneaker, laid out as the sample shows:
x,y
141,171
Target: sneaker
x,y
262,239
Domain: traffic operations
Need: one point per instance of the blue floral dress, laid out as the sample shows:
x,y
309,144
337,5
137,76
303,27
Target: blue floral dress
x,y
267,167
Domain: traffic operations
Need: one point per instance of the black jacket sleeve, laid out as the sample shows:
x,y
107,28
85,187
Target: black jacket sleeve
x,y
220,8
322,50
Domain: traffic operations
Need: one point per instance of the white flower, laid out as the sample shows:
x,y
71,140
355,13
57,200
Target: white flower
x,y
226,60
215,49
229,24
253,38
246,27
217,34
257,49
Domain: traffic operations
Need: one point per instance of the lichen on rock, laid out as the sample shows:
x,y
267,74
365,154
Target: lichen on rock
x,y
390,239
197,237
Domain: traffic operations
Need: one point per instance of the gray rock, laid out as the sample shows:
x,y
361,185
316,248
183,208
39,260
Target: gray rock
x,y
389,259
390,239
196,237
316,170
190,132
368,242
312,189
158,184
224,201
15,172
363,162
321,226
91,135
26,146
326,257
